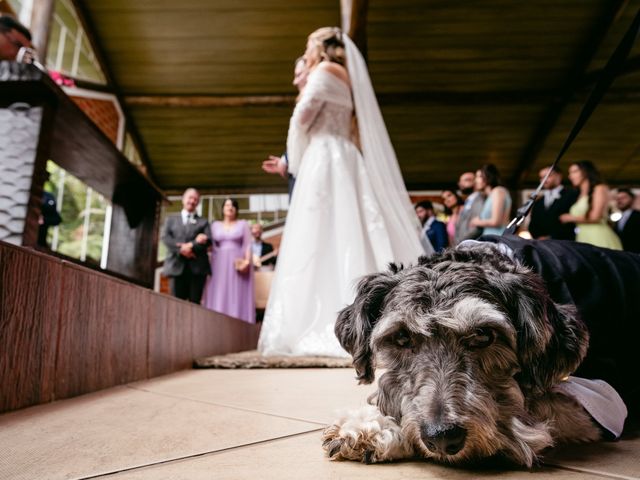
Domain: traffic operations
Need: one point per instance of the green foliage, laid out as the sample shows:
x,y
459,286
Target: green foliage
x,y
74,212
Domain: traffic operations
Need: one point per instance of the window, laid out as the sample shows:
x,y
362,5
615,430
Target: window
x,y
69,49
130,151
86,217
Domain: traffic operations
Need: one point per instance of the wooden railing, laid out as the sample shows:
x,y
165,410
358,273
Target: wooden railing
x,y
66,330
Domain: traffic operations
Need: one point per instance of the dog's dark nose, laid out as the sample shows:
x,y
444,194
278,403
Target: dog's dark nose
x,y
443,439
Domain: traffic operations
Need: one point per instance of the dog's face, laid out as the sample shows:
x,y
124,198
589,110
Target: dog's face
x,y
466,337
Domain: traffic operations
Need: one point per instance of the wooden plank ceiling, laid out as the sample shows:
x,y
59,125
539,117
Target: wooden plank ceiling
x,y
460,83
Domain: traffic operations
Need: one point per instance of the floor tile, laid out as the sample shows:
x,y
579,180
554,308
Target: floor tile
x,y
120,428
316,395
301,457
236,424
619,459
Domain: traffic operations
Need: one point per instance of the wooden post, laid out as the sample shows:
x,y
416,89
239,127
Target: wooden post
x,y
41,17
354,22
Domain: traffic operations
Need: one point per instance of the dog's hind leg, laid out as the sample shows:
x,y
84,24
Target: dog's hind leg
x,y
365,435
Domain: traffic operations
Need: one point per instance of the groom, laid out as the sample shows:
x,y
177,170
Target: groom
x,y
187,237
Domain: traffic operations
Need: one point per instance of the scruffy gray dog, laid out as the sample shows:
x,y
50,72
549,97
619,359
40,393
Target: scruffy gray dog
x,y
473,347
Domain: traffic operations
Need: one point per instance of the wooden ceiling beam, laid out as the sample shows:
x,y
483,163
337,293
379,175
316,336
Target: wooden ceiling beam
x,y
532,97
208,101
354,22
632,65
575,79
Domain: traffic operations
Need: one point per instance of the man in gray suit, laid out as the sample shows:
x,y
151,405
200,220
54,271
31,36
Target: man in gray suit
x,y
187,237
473,203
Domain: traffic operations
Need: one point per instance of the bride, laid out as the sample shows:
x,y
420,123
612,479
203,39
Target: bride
x,y
350,213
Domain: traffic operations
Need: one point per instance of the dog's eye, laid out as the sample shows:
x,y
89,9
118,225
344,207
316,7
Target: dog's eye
x,y
402,338
481,338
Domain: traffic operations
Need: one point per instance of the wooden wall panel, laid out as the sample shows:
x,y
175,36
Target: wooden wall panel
x,y
103,332
66,330
170,334
212,336
30,292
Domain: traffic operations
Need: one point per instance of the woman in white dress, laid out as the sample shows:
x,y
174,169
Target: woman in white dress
x,y
350,214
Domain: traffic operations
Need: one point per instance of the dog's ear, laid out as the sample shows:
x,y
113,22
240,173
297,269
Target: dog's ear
x,y
356,322
552,340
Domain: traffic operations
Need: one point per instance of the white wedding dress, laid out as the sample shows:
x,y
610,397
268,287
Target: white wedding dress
x,y
337,229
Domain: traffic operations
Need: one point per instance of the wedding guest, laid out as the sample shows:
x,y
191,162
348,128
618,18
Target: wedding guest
x,y
230,289
186,237
628,227
432,228
556,200
494,217
453,205
590,212
49,215
471,208
263,253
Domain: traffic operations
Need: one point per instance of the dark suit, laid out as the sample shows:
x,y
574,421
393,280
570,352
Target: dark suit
x,y
187,275
471,209
545,222
630,234
291,180
266,249
437,235
50,217
603,285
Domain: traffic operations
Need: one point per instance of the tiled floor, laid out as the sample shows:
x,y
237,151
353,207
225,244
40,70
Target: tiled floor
x,y
234,424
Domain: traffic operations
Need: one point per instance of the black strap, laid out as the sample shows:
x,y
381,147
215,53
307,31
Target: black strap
x,y
609,73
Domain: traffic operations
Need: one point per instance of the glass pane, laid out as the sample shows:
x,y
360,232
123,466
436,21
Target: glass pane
x,y
130,151
88,67
97,212
77,216
54,37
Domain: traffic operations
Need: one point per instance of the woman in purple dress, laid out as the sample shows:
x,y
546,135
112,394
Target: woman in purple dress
x,y
230,287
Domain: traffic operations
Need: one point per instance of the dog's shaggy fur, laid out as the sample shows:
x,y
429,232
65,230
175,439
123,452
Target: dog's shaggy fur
x,y
472,345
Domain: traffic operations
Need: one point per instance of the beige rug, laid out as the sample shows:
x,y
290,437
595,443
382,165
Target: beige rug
x,y
253,359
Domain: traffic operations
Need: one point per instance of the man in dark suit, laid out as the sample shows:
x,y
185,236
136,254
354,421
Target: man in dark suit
x,y
49,217
628,227
433,229
261,248
187,237
545,214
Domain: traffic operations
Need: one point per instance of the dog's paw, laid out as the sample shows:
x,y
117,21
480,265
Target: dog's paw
x,y
360,447
365,436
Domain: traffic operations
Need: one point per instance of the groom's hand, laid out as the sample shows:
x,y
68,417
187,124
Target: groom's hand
x,y
275,165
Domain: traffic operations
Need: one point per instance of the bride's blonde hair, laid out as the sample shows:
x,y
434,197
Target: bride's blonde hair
x,y
326,44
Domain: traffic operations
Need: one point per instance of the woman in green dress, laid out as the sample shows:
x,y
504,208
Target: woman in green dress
x,y
589,213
